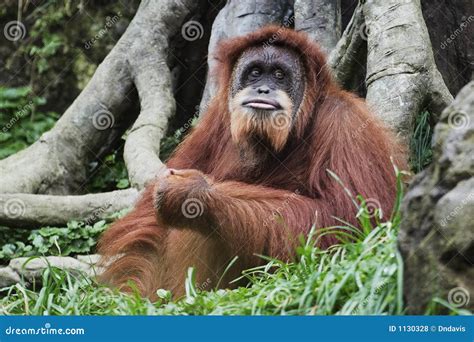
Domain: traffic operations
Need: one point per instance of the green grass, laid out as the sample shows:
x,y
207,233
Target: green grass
x,y
420,143
361,275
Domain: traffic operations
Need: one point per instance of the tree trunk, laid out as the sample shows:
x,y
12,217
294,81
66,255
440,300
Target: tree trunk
x,y
451,28
321,20
57,163
401,80
238,18
402,76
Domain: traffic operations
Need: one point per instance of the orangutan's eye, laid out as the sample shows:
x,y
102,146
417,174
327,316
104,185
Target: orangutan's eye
x,y
279,74
256,72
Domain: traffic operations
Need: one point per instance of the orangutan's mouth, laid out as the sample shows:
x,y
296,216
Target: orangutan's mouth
x,y
259,103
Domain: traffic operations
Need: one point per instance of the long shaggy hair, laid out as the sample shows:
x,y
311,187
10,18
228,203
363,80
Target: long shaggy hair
x,y
333,130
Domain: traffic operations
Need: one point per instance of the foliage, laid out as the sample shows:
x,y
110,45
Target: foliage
x,y
54,57
75,238
169,143
361,275
438,305
20,122
110,174
51,42
352,278
420,145
21,126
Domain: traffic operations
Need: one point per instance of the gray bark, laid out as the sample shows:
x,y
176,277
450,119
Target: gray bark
x,y
151,75
57,163
451,28
347,57
401,78
238,18
32,211
401,72
321,19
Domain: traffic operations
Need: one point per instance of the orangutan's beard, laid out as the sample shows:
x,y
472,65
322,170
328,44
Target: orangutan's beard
x,y
251,125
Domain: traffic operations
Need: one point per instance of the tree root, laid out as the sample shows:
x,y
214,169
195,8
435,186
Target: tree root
x,y
59,161
31,211
401,80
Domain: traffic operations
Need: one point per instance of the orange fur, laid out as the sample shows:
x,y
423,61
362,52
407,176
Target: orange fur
x,y
253,208
277,127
